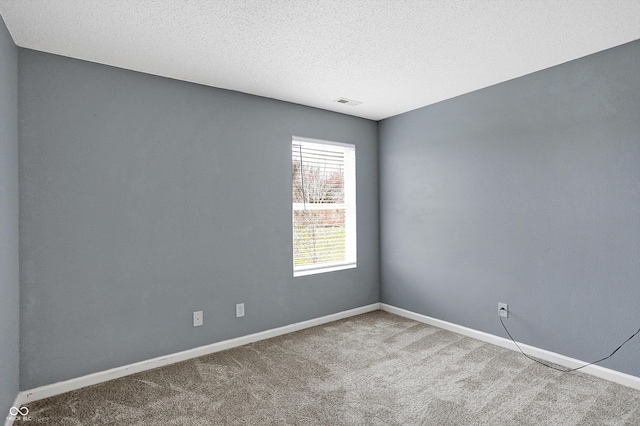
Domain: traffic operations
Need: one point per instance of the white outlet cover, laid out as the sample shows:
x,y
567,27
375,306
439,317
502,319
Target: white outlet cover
x,y
239,310
197,318
503,313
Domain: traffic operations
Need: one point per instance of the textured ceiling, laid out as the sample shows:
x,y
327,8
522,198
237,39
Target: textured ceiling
x,y
392,55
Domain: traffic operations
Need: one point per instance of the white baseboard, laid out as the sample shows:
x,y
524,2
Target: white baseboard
x,y
53,389
593,370
47,391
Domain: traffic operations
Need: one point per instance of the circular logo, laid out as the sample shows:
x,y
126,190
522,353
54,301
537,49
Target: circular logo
x,y
22,411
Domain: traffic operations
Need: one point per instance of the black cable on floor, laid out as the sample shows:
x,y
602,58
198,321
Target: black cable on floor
x,y
561,369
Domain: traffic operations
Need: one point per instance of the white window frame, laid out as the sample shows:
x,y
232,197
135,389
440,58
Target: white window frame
x,y
349,182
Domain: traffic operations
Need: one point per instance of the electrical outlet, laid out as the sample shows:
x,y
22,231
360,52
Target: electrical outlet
x,y
239,310
503,310
197,318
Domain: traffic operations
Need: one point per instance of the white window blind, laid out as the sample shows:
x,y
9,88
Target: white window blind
x,y
324,206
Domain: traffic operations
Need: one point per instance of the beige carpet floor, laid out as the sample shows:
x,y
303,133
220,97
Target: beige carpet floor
x,y
373,369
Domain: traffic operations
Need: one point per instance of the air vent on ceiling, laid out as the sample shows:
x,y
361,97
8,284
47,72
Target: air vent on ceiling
x,y
346,101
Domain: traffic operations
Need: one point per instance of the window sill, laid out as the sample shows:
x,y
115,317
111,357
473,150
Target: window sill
x,y
313,269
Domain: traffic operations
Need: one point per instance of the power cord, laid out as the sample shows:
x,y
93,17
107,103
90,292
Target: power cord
x,y
562,369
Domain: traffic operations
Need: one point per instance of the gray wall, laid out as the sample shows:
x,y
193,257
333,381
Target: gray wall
x,y
527,192
144,199
9,282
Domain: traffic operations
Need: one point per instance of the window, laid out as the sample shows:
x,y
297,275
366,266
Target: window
x,y
324,206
